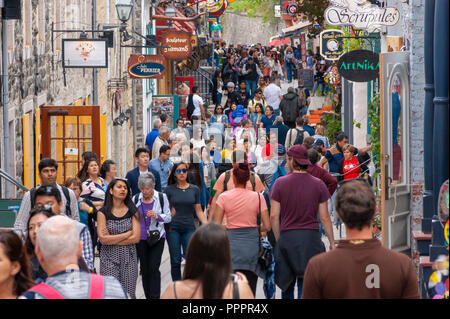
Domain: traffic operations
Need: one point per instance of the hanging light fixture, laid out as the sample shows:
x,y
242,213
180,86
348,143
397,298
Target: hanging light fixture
x,y
124,8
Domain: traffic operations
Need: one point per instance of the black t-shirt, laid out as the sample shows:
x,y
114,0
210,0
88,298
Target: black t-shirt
x,y
183,200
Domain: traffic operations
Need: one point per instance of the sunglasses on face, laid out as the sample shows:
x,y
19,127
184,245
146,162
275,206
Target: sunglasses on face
x,y
182,170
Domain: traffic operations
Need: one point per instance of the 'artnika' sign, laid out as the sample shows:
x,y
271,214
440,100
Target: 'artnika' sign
x,y
146,66
359,66
179,43
361,14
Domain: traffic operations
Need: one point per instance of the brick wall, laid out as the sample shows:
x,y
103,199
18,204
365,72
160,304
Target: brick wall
x,y
416,15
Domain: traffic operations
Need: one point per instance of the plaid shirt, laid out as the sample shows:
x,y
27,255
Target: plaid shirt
x,y
88,249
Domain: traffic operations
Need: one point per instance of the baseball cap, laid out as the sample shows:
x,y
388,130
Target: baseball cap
x,y
280,150
318,142
300,154
230,85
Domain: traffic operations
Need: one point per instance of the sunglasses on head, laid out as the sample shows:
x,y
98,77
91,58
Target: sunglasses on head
x,y
182,170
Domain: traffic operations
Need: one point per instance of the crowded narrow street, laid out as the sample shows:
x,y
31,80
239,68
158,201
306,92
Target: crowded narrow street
x,y
224,149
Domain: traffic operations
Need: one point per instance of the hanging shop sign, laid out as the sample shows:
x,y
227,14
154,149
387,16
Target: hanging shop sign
x,y
179,45
360,14
291,9
331,44
146,66
277,11
84,53
359,66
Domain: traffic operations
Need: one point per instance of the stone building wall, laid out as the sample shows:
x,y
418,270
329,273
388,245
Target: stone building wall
x,y
36,78
239,28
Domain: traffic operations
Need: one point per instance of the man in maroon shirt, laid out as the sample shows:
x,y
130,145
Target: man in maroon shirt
x,y
298,196
359,267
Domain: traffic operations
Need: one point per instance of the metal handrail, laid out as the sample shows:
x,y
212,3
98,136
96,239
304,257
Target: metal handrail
x,y
12,180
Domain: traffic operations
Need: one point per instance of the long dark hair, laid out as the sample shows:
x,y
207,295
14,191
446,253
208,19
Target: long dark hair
x,y
15,251
172,178
82,174
107,208
35,211
208,260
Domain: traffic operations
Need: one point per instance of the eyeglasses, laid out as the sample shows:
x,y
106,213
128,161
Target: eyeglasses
x,y
179,171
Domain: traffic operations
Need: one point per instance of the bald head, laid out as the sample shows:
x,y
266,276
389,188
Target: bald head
x,y
58,241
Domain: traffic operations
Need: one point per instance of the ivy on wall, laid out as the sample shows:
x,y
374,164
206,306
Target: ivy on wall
x,y
374,137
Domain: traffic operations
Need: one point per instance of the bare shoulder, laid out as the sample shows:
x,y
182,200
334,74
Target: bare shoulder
x,y
168,293
245,292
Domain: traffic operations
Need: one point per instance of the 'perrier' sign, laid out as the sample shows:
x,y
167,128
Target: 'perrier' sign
x,y
359,66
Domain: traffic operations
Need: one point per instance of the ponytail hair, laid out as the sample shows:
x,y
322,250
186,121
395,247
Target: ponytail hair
x,y
241,173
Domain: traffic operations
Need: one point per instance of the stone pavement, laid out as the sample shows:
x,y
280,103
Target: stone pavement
x,y
166,277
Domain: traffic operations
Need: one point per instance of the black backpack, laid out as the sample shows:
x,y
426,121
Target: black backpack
x,y
299,138
66,195
190,107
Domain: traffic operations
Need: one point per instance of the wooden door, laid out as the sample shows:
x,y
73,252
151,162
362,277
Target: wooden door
x,y
395,172
66,133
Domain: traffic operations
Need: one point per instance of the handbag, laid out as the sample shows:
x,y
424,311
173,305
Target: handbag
x,y
265,257
152,235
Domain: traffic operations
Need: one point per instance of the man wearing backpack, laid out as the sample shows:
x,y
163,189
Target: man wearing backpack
x,y
296,135
58,247
225,181
48,173
195,105
290,107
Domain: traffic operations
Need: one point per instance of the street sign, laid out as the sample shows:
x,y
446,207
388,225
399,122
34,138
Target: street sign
x,y
331,44
361,14
146,66
84,53
277,11
179,45
359,66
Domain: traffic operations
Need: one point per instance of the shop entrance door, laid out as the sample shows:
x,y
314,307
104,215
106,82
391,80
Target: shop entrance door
x,y
395,172
66,133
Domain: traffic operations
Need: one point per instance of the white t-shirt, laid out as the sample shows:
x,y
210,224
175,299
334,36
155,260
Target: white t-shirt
x,y
197,100
272,94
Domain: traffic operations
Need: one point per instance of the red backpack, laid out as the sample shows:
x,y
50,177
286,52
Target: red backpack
x,y
96,289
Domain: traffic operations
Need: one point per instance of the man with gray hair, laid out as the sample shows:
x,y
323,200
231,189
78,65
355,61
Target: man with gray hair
x,y
290,107
164,133
281,128
151,136
58,247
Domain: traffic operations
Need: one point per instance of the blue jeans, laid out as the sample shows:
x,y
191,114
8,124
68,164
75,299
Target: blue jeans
x,y
277,112
177,237
289,293
218,99
250,87
289,69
